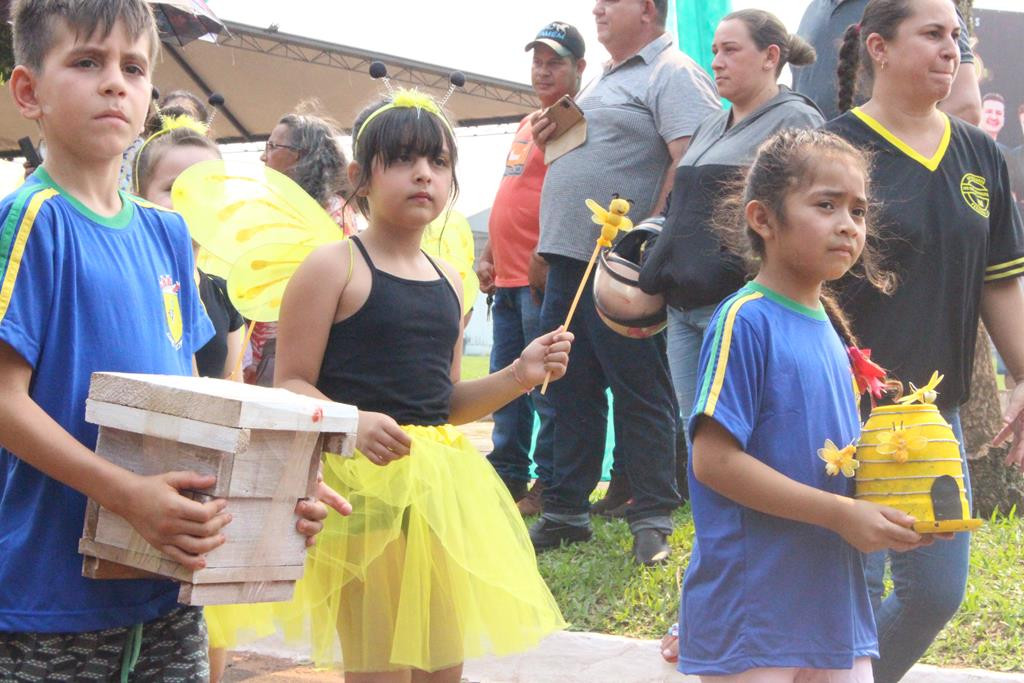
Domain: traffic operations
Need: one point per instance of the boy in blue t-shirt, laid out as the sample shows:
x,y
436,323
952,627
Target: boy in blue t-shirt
x,y
91,279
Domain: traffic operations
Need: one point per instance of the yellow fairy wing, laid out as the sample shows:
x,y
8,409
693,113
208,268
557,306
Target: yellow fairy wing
x,y
258,278
625,224
232,207
210,264
599,213
449,237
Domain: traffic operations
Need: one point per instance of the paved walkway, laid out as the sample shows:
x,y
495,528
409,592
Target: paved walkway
x,y
562,658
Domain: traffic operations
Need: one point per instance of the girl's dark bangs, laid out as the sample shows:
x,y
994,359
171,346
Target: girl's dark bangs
x,y
408,131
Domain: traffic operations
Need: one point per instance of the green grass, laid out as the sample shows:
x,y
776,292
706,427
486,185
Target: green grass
x,y
599,588
475,367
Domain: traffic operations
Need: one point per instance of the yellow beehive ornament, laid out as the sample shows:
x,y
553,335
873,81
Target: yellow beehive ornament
x,y
910,460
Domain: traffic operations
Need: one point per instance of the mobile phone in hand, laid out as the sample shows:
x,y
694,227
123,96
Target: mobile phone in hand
x,y
565,113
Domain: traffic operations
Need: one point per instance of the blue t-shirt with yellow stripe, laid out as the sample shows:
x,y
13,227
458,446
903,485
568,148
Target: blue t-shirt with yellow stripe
x,y
762,591
81,293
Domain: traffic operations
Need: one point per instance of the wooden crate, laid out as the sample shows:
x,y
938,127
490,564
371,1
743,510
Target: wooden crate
x,y
263,445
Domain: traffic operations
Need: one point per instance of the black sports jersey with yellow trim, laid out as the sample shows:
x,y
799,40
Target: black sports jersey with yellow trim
x,y
948,224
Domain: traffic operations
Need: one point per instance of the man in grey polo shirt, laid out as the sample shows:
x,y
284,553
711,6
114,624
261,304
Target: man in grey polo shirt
x,y
823,25
640,114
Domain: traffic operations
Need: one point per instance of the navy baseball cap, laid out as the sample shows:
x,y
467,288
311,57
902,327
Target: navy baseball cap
x,y
561,37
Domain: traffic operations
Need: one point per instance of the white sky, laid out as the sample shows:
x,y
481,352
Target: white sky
x,y
480,36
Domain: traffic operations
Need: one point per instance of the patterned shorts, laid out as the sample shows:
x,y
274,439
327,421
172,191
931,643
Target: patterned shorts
x,y
172,648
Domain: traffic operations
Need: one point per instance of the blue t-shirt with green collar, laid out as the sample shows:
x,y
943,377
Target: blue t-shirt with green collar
x,y
81,293
763,591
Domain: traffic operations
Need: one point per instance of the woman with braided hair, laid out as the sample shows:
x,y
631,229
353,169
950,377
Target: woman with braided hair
x,y
953,237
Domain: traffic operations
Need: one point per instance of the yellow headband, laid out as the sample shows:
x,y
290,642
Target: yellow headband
x,y
167,124
406,99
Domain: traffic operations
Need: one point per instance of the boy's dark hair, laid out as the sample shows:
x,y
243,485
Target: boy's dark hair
x,y
392,134
321,169
880,16
34,24
785,163
154,150
766,30
993,96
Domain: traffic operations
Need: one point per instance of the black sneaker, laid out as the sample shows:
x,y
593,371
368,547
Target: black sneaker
x,y
546,534
650,547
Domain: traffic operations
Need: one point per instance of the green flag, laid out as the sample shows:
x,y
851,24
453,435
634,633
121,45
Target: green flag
x,y
695,23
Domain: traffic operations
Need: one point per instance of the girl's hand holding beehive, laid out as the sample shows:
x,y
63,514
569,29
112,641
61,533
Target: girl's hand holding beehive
x,y
870,527
380,439
182,528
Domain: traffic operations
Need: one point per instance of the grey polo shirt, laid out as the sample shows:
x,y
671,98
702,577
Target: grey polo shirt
x,y
633,110
823,25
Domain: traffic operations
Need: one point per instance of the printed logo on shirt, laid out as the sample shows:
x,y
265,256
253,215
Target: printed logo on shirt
x,y
172,309
975,193
516,161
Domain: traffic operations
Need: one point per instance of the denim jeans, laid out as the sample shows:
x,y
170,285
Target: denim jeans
x,y
928,587
516,318
685,336
637,372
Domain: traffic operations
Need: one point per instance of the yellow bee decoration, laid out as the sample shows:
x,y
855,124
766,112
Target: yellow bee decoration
x,y
925,394
611,220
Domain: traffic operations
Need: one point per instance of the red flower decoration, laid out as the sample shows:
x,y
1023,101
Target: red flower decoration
x,y
868,375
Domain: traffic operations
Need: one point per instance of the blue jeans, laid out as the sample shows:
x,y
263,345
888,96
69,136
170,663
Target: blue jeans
x,y
928,587
637,372
516,318
685,336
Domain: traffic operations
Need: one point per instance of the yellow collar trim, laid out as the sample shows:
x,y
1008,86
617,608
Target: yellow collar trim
x,y
930,164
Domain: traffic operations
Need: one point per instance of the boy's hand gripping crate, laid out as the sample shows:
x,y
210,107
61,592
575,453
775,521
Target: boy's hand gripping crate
x,y
264,447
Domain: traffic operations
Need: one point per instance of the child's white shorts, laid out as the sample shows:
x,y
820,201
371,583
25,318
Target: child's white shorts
x,y
860,673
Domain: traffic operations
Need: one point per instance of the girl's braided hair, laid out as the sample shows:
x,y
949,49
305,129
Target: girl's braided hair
x,y
880,16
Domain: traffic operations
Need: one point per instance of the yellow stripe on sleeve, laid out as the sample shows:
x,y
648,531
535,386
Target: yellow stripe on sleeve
x,y
723,359
14,262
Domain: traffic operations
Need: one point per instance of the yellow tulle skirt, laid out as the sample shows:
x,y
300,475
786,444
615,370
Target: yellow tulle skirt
x,y
232,625
433,566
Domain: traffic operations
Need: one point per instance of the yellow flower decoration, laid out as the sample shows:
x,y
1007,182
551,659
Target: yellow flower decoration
x,y
169,123
925,394
839,460
901,444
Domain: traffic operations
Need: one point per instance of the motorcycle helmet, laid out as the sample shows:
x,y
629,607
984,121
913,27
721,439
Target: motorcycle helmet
x,y
620,302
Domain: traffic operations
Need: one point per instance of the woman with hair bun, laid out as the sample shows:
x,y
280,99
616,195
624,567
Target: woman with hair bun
x,y
688,262
953,237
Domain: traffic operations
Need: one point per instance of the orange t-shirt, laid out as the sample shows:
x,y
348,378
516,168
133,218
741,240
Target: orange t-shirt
x,y
514,225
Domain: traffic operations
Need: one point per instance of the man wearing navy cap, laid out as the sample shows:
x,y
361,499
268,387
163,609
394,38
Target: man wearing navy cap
x,y
511,271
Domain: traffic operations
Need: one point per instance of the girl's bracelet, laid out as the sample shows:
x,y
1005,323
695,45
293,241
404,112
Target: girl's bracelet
x,y
524,385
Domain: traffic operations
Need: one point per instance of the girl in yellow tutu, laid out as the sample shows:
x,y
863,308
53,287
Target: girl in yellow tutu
x,y
434,565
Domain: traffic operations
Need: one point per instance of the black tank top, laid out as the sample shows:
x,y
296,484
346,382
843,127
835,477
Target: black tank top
x,y
394,355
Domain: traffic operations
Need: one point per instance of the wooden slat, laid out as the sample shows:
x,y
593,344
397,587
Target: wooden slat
x,y
150,455
157,564
213,436
235,593
273,464
261,533
231,404
95,568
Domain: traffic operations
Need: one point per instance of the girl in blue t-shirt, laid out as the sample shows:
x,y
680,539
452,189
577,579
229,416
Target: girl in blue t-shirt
x,y
775,588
